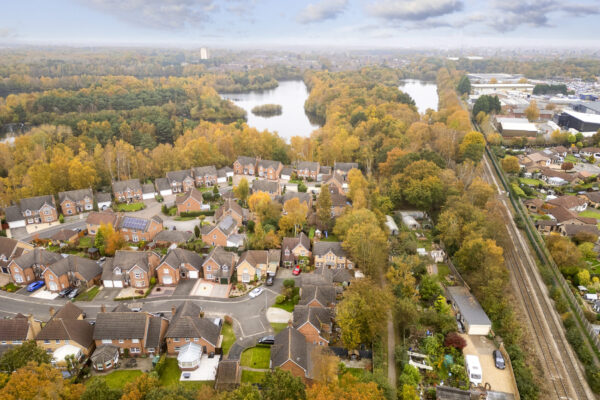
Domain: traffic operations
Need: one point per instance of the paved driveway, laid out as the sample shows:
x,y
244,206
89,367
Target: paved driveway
x,y
185,286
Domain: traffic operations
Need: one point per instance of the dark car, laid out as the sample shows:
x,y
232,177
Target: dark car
x,y
267,340
32,287
65,292
498,359
73,293
270,280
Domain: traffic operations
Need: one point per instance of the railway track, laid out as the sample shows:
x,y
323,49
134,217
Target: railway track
x,y
559,362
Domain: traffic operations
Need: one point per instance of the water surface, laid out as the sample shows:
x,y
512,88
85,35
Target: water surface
x,y
423,93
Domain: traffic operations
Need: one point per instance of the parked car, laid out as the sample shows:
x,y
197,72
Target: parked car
x,y
296,270
65,292
255,292
33,286
270,339
270,280
499,359
73,293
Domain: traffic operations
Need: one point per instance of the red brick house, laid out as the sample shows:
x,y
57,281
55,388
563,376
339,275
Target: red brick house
x,y
218,235
308,169
245,166
191,201
180,181
230,208
269,169
71,271
129,268
205,176
218,265
29,266
127,191
179,264
140,229
189,326
290,353
76,201
38,210
96,219
314,323
323,296
295,251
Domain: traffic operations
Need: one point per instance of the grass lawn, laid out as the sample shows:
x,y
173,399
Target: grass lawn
x,y
88,295
357,372
171,373
228,338
330,238
443,271
572,158
590,214
85,242
118,379
129,207
278,327
289,304
532,182
252,376
256,357
184,218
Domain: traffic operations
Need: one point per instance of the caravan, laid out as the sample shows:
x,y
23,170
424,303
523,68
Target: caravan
x,y
474,369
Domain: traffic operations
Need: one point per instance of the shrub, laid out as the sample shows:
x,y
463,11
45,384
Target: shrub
x,y
296,299
153,280
250,226
289,283
228,320
197,231
280,299
207,196
453,339
61,219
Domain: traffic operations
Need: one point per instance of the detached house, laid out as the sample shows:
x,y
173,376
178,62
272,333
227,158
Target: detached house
x,y
219,235
135,332
29,266
245,166
308,169
295,251
9,250
232,209
95,220
163,187
290,353
572,203
205,176
256,263
331,255
179,264
33,210
129,268
218,265
104,200
314,323
269,169
269,187
127,191
323,296
223,175
343,169
180,181
16,330
67,334
189,326
71,271
191,201
140,229
76,201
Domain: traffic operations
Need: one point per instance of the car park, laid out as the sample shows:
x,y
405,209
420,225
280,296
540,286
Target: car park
x,y
32,287
255,292
270,339
499,359
296,270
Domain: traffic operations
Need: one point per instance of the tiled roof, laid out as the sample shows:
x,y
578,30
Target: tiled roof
x,y
147,188
243,160
100,218
259,185
7,246
324,294
14,328
153,338
37,257
221,257
321,248
173,236
103,197
75,195
193,194
187,323
179,176
35,203
289,345
316,316
310,165
346,167
120,325
162,184
209,170
88,269
121,186
255,257
176,257
104,353
229,204
567,201
64,234
79,331
269,164
13,213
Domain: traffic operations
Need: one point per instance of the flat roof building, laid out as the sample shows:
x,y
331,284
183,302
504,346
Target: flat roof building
x,y
513,127
471,314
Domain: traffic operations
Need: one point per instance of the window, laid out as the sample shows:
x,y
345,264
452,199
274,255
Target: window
x,y
177,348
51,277
176,340
69,212
99,367
208,267
134,237
135,340
151,350
16,342
214,236
187,339
4,342
46,212
109,364
57,341
135,350
195,339
106,341
139,275
48,342
121,341
27,213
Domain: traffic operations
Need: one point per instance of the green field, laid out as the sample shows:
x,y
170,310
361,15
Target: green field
x,y
278,327
532,182
289,304
590,214
228,338
252,376
170,374
131,207
88,295
118,379
85,242
256,357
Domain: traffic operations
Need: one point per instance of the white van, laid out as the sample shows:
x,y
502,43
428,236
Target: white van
x,y
474,369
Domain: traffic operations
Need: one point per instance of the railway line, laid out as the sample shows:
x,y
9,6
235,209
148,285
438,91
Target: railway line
x,y
560,364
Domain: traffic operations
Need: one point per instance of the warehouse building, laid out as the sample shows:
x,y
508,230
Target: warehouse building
x,y
582,122
516,127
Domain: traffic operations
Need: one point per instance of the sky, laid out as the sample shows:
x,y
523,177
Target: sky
x,y
290,23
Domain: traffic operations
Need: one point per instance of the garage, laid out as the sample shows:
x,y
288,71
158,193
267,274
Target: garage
x,y
167,280
108,284
193,274
118,284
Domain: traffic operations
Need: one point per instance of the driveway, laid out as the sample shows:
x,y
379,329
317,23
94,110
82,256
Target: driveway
x,y
152,208
107,294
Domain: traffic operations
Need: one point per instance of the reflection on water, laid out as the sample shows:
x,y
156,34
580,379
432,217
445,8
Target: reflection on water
x,y
423,93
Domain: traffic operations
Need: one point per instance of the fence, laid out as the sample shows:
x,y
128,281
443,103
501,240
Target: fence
x,y
543,254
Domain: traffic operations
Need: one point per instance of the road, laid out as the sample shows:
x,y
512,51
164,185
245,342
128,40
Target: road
x,y
564,374
46,233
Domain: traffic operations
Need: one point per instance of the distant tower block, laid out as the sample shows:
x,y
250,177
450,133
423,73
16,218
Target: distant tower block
x,y
203,53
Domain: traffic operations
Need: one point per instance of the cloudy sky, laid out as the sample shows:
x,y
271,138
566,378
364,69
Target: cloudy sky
x,y
247,23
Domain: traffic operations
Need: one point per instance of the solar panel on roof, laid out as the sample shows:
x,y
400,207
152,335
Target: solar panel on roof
x,y
134,223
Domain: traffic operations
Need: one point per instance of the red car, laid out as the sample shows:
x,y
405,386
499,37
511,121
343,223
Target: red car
x,y
296,270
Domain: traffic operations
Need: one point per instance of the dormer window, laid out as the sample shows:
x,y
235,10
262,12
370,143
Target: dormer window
x,y
27,212
225,267
287,252
117,271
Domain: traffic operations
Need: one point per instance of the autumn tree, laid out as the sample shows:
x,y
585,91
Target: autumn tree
x,y
348,388
98,389
282,385
140,388
362,313
262,240
357,188
510,164
564,252
367,246
353,218
19,356
242,190
324,219
566,166
464,85
39,382
265,209
294,216
532,112
479,192
325,365
472,146
243,392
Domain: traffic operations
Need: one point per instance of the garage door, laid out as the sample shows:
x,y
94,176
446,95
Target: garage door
x,y
118,283
108,284
167,279
193,274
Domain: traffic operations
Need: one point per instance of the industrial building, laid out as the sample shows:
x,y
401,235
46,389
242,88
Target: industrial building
x,y
582,122
516,127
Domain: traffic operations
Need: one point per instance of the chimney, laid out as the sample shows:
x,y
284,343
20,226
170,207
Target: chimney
x,y
52,312
102,308
173,310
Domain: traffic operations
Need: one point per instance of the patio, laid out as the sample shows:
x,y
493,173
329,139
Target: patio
x,y
206,371
44,294
209,289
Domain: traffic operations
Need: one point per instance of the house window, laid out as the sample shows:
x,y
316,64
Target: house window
x,y
138,275
16,342
177,348
121,341
69,212
27,213
57,341
208,267
195,339
176,340
187,339
46,212
106,341
50,277
139,284
214,236
46,342
151,350
135,350
135,340
134,237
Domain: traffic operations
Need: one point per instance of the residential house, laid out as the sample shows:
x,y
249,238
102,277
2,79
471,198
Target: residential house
x,y
593,198
290,353
295,250
286,174
229,375
71,271
590,151
314,323
180,181
218,265
179,264
305,198
324,173
323,296
336,184
76,201
136,229
546,227
105,357
218,235
245,166
266,186
308,170
537,159
163,187
14,217
188,325
559,178
41,209
223,175
534,205
96,219
16,330
137,333
148,192
129,268
104,200
253,263
269,169
29,266
191,201
168,237
127,191
230,208
205,176
572,203
331,255
10,249
572,230
567,217
343,169
65,236
67,334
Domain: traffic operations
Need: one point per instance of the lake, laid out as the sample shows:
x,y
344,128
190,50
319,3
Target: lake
x,y
423,93
290,95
